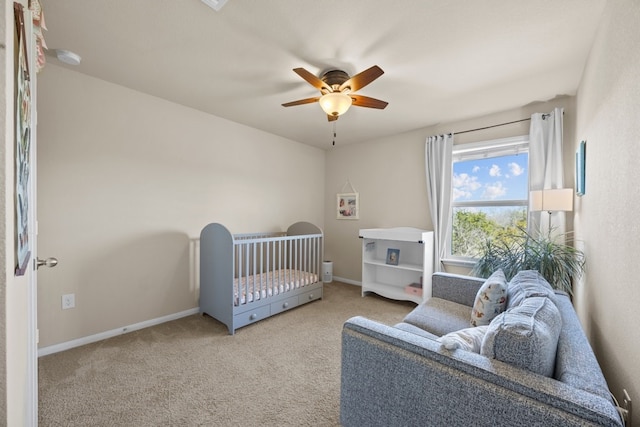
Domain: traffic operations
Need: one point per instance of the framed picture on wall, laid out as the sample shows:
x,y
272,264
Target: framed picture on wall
x,y
347,206
580,168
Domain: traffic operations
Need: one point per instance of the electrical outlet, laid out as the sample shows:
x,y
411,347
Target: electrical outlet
x,y
68,301
626,406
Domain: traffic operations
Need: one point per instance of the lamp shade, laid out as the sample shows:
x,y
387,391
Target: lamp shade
x,y
535,201
551,200
335,103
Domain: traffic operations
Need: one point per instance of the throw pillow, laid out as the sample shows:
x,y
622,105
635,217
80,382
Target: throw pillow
x,y
525,336
528,283
491,299
469,339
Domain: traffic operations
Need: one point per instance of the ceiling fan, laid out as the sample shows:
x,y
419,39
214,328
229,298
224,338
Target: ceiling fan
x,y
337,91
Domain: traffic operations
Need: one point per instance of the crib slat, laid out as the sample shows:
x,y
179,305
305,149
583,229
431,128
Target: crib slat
x,y
261,264
295,261
273,261
253,275
246,268
320,256
309,260
313,255
303,261
240,264
267,258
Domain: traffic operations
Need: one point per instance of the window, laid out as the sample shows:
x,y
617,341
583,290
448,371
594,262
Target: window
x,y
489,193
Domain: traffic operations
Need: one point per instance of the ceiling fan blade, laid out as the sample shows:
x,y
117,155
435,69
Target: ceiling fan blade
x,y
301,102
362,79
311,79
332,118
365,101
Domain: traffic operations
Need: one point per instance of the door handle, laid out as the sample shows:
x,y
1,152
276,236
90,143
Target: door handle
x,y
49,262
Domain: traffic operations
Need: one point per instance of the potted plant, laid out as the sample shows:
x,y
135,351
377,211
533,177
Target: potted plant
x,y
557,261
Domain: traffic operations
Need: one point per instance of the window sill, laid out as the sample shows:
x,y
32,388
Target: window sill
x,y
465,263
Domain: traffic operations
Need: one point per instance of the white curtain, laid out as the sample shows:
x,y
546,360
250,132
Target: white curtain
x,y
546,169
438,153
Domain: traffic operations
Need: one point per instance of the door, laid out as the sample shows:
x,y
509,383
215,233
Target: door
x,y
31,271
32,276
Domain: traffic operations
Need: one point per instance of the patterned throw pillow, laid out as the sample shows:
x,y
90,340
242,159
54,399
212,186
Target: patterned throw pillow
x,y
491,299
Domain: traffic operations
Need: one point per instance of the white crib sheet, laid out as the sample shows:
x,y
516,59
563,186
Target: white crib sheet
x,y
264,285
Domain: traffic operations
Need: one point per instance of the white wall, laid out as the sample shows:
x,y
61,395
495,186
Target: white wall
x,y
126,179
389,175
606,218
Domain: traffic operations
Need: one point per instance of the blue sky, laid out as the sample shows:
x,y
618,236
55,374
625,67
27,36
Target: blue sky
x,y
495,178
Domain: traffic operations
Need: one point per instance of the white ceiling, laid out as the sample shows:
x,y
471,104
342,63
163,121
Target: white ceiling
x,y
443,60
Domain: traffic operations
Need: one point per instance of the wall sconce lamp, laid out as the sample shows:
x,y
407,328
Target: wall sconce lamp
x,y
551,200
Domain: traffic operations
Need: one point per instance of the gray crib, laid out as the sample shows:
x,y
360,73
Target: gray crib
x,y
249,277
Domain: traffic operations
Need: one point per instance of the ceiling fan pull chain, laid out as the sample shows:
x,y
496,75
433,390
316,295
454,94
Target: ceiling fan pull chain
x,y
334,134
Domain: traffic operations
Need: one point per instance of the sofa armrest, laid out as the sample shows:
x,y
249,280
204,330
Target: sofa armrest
x,y
393,377
455,287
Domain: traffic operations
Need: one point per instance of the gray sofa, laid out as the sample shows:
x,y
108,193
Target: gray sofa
x,y
403,376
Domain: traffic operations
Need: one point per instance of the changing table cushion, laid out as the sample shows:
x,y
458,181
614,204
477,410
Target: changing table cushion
x,y
439,316
526,336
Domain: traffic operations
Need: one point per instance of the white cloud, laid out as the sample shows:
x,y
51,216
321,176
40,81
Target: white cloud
x,y
516,169
466,181
493,191
464,185
475,169
460,194
495,171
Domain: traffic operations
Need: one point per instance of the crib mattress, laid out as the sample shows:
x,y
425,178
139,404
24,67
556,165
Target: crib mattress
x,y
264,285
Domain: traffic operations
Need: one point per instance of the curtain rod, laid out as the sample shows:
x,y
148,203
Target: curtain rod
x,y
493,126
544,116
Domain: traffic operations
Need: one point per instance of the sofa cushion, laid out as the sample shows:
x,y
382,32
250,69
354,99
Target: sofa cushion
x,y
491,299
439,316
525,284
469,339
526,336
407,327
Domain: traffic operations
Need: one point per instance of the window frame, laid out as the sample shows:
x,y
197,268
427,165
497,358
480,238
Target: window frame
x,y
481,150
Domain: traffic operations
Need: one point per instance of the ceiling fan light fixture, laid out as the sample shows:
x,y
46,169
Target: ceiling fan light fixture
x,y
335,103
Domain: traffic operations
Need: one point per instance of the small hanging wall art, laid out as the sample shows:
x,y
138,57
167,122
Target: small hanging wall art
x,y
347,203
348,206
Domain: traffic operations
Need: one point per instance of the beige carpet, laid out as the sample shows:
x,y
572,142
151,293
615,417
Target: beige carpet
x,y
282,371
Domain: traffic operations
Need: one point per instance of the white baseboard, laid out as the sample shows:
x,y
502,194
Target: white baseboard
x,y
44,351
348,281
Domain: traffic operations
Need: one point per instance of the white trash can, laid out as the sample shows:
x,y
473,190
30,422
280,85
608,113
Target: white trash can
x,y
327,271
